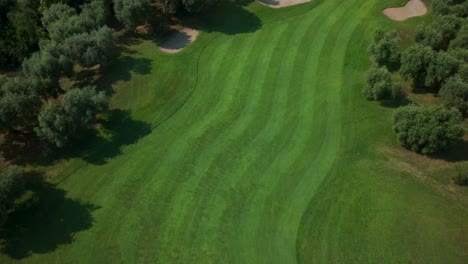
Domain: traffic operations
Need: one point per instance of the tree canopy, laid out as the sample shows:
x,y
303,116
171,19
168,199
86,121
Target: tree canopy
x,y
379,84
385,48
455,93
427,130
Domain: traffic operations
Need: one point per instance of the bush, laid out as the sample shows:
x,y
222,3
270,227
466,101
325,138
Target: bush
x,y
462,176
386,48
379,84
11,184
427,130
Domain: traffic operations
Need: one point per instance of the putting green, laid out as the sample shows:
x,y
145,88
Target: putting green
x,y
252,145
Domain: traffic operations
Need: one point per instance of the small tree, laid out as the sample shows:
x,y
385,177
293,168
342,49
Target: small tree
x,y
89,49
379,84
462,176
385,48
415,62
131,13
57,12
55,126
84,104
96,11
46,69
19,104
454,92
427,130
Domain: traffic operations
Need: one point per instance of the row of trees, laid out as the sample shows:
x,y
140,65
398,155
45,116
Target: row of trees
x,y
437,62
35,101
35,105
25,24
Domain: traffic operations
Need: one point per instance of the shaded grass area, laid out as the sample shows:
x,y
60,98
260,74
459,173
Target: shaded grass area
x,y
252,145
43,220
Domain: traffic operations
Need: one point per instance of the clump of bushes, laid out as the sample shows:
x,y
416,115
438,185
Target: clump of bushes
x,y
427,130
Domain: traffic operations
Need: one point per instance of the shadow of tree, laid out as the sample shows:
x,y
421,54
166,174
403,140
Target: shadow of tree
x,y
456,153
401,100
45,221
120,129
229,19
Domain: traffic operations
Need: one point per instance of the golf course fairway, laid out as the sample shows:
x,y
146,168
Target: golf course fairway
x,y
252,145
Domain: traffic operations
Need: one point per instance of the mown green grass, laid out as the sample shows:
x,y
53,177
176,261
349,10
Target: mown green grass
x,y
253,145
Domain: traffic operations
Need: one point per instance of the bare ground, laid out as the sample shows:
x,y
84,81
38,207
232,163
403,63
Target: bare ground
x,y
179,39
412,8
282,3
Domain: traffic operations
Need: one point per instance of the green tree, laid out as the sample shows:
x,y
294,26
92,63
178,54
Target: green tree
x,y
84,104
19,104
55,126
428,36
461,41
427,130
89,49
96,11
442,67
131,13
57,12
379,84
454,92
46,69
385,48
415,62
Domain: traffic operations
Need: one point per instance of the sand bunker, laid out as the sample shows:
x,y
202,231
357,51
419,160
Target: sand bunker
x,y
412,8
282,3
179,39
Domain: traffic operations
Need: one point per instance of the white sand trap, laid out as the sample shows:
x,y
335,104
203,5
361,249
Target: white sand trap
x,y
412,8
282,3
179,39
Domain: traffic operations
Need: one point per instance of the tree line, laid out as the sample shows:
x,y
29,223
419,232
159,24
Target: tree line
x,y
437,62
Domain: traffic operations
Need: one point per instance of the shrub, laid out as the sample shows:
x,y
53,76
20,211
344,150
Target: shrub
x,y
462,176
386,48
427,130
379,84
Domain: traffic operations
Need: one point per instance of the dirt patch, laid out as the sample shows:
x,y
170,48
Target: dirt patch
x,y
180,38
282,3
412,8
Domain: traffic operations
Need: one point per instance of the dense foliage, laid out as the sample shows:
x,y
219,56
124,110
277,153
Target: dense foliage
x,y
427,130
454,92
131,13
379,84
440,51
385,48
